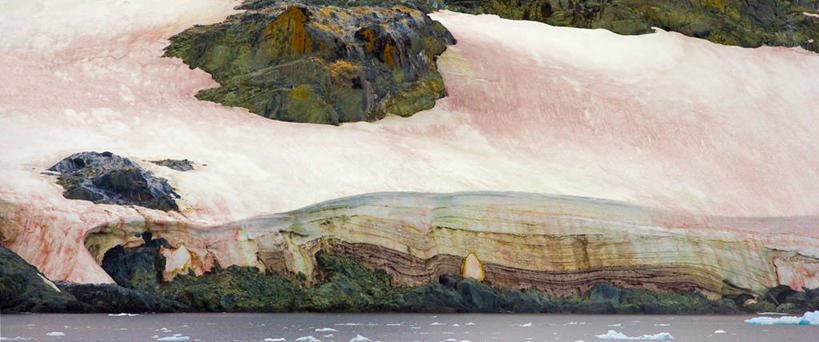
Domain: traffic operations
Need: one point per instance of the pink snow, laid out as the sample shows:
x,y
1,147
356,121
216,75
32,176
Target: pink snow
x,y
659,120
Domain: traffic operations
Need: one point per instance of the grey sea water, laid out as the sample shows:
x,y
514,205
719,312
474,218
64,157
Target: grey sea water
x,y
312,327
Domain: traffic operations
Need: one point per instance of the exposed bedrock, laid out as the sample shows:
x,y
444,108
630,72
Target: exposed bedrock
x,y
175,164
108,178
559,245
731,22
319,64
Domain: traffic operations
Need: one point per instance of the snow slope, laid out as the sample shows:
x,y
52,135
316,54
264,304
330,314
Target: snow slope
x,y
658,120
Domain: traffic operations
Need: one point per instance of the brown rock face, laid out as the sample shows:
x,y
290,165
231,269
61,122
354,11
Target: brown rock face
x,y
287,35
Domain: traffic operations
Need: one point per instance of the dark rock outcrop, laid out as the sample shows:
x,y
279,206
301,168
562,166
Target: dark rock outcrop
x,y
731,22
139,267
175,164
24,289
320,64
109,178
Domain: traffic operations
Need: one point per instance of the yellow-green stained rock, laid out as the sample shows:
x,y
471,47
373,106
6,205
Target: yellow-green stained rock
x,y
296,62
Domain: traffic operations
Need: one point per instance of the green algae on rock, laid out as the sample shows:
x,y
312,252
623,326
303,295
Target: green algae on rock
x,y
319,64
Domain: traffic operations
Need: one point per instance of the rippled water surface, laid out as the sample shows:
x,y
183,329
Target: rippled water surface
x,y
385,327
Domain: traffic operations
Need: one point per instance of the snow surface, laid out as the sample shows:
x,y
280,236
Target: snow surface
x,y
614,335
808,318
659,120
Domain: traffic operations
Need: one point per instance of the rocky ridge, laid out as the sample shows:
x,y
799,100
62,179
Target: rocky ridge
x,y
108,178
319,64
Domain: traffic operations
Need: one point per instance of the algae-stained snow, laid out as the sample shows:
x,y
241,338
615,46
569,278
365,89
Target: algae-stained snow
x,y
658,120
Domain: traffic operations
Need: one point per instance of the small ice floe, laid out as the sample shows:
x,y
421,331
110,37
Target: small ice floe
x,y
616,325
662,325
719,331
525,325
325,330
55,333
809,318
165,330
393,324
348,324
456,325
575,323
359,338
469,323
16,338
124,314
451,340
174,338
614,335
328,335
280,339
436,323
307,339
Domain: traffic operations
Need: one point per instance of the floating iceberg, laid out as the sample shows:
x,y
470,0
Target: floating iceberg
x,y
275,339
809,318
359,338
719,331
18,338
174,338
326,330
55,333
614,335
307,339
124,314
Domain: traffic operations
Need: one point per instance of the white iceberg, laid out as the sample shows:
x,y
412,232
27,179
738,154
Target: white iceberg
x,y
269,339
174,338
124,314
525,325
307,339
359,338
614,335
719,331
55,333
326,330
17,338
809,318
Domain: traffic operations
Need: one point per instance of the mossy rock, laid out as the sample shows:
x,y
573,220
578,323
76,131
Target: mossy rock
x,y
295,61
